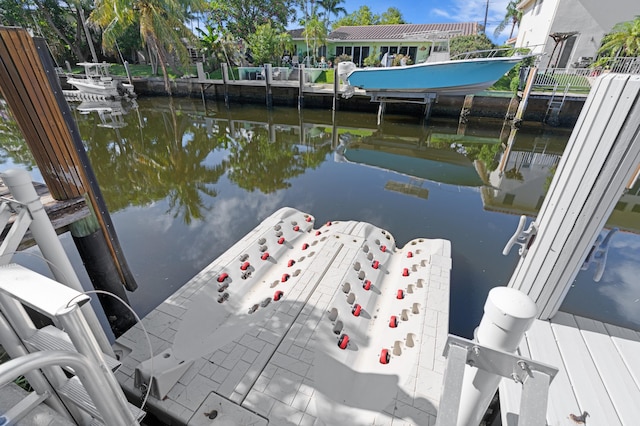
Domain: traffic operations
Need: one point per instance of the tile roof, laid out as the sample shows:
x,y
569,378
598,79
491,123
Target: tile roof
x,y
413,32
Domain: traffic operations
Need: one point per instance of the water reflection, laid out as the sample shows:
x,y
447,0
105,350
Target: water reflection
x,y
184,181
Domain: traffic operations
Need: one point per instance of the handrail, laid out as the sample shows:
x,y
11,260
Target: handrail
x,y
490,53
113,407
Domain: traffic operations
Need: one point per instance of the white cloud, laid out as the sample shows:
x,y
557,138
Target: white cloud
x,y
474,11
440,12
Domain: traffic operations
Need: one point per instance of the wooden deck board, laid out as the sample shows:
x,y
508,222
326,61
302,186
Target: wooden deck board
x,y
598,371
620,386
61,213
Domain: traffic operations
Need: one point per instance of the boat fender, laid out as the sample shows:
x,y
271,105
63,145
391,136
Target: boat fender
x,y
305,246
376,264
400,294
318,233
383,248
393,321
285,277
385,357
308,219
245,266
366,285
343,341
410,254
356,310
405,272
291,263
296,228
278,295
329,223
281,240
264,256
223,276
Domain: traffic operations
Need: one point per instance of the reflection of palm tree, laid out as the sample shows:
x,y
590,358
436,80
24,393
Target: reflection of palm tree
x,y
255,163
166,162
513,17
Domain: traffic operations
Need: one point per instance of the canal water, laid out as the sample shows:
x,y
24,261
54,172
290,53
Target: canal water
x,y
185,180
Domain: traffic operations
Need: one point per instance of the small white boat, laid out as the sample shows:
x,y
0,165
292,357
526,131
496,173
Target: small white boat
x,y
98,81
463,75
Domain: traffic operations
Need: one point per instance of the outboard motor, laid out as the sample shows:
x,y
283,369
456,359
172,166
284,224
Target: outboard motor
x,y
344,69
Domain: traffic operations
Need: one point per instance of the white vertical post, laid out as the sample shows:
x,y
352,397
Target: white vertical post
x,y
508,313
19,183
599,161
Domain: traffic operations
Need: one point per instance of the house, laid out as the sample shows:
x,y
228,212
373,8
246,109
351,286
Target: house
x,y
568,33
416,40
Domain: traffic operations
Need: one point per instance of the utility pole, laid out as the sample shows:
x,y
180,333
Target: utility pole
x,y
486,14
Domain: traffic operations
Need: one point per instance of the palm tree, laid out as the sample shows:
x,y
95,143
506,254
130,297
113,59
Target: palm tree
x,y
624,40
315,31
162,26
331,7
513,17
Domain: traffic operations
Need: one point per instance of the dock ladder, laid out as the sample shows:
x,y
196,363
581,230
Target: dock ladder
x,y
556,102
64,363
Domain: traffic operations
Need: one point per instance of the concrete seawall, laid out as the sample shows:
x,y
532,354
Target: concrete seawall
x,y
490,106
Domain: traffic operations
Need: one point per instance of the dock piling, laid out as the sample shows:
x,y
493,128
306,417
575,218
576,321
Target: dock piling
x,y
225,81
300,86
268,77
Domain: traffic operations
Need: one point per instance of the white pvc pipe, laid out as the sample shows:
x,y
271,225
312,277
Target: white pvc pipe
x,y
19,183
508,313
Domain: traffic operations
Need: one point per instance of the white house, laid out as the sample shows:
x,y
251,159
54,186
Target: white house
x,y
568,32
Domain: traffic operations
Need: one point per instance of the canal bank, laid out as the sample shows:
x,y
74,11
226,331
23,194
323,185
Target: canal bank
x,y
486,104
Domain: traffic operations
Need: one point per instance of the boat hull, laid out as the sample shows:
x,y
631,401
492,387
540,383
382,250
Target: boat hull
x,y
93,88
450,77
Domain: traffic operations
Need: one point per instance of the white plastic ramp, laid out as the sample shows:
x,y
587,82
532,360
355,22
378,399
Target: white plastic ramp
x,y
297,324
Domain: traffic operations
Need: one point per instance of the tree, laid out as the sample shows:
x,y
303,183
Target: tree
x,y
242,17
364,16
513,17
316,32
331,7
624,40
268,44
469,43
162,27
391,16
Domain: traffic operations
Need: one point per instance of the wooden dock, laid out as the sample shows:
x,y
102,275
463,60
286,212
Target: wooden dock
x,y
598,372
61,213
229,342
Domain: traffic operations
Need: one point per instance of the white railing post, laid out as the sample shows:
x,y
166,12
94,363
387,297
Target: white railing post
x,y
508,313
21,187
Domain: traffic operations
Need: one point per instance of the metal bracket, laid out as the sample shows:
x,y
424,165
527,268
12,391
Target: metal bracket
x,y
598,254
534,376
522,238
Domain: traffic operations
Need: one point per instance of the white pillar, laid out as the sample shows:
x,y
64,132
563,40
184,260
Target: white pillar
x,y
19,183
508,313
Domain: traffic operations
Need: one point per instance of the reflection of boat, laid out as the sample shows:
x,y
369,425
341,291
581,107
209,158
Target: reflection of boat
x,y
98,81
110,112
434,164
450,77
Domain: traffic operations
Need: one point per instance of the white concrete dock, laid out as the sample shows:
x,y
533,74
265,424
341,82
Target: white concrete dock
x,y
252,359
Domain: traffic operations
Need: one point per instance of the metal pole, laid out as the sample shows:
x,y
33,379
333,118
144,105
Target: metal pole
x,y
301,86
268,74
225,81
114,414
12,344
508,313
19,183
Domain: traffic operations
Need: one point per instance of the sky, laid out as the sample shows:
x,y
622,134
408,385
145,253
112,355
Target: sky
x,y
441,11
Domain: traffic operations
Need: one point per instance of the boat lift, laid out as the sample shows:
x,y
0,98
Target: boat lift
x,y
384,97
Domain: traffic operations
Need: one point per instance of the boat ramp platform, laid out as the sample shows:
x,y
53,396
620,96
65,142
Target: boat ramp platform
x,y
295,325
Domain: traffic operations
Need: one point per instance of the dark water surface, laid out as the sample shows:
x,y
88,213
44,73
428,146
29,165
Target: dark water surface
x,y
185,181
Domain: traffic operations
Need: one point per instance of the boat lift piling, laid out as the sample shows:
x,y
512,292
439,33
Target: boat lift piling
x,y
225,82
300,86
268,77
600,160
30,85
